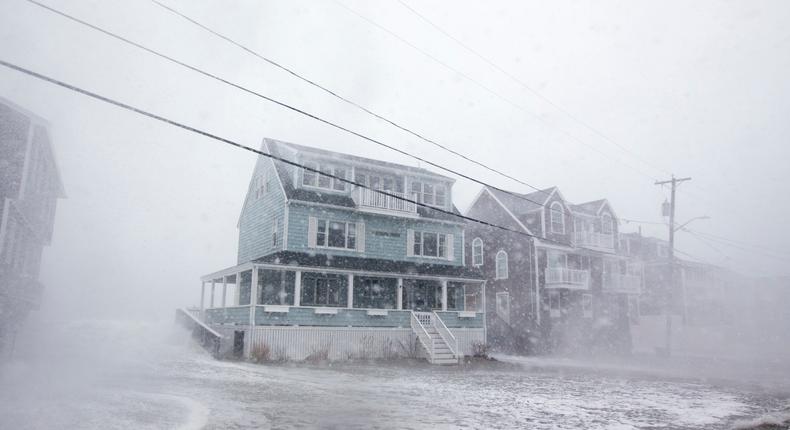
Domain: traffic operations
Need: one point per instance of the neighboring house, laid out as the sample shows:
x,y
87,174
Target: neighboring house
x,y
29,188
698,296
559,273
345,270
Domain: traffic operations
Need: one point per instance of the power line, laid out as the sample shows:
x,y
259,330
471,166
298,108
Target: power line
x,y
529,88
341,97
739,245
277,102
247,148
488,89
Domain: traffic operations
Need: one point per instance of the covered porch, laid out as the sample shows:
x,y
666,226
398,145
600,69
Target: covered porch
x,y
296,298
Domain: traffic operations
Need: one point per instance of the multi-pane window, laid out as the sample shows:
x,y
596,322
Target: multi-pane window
x,y
324,290
336,234
429,194
375,293
429,244
275,287
477,252
557,217
501,265
325,178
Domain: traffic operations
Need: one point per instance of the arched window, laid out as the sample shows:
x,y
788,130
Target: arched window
x,y
477,252
501,265
607,225
557,217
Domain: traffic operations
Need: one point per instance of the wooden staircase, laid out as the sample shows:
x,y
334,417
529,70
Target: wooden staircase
x,y
440,345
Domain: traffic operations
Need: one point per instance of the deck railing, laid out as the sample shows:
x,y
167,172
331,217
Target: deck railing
x,y
446,334
560,275
618,283
367,198
593,240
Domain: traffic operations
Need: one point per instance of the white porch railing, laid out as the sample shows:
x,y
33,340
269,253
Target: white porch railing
x,y
618,283
446,334
594,240
574,278
422,334
367,198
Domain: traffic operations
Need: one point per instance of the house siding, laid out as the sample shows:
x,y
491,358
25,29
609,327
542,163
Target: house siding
x,y
385,236
257,217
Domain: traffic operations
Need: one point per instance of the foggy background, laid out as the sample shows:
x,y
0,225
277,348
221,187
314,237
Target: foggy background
x,y
699,89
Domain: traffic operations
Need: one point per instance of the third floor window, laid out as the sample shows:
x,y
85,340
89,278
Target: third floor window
x,y
327,179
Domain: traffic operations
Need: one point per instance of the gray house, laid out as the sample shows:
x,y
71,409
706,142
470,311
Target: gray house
x,y
561,282
29,188
327,267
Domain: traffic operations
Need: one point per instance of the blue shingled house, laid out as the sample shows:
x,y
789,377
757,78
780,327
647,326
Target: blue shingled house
x,y
345,270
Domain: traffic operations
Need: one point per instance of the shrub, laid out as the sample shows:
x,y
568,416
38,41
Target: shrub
x,y
479,349
411,349
261,352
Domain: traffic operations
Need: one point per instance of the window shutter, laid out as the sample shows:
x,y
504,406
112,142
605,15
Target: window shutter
x,y
312,232
450,247
361,236
410,243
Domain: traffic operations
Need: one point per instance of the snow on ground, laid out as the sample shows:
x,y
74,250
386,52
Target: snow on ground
x,y
115,375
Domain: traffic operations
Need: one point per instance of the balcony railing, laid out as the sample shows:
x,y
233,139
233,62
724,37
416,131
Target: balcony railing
x,y
567,278
371,199
617,283
593,240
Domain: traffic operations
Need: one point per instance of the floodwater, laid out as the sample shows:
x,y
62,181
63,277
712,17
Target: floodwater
x,y
136,375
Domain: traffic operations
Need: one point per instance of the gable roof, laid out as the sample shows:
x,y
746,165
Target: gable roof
x,y
594,207
294,193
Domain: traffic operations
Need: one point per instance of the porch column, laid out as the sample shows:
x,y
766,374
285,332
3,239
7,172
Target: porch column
x,y
211,300
253,295
400,293
444,294
224,289
350,291
237,290
485,317
298,288
202,294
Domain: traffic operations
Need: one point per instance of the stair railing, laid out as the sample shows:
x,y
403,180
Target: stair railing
x,y
446,335
422,335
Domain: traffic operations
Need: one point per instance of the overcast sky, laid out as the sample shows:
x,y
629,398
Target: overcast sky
x,y
697,89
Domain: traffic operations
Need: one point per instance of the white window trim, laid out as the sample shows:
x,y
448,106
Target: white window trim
x,y
435,186
497,265
477,241
317,166
561,213
449,246
359,235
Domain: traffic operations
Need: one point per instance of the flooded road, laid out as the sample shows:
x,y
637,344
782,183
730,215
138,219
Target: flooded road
x,y
120,375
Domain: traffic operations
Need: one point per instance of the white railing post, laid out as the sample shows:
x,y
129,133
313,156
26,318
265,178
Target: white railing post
x,y
444,294
211,300
202,296
224,289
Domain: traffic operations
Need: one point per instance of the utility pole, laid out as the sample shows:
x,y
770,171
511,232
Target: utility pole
x,y
671,254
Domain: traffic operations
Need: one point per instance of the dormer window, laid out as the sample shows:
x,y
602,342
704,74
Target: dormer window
x,y
325,179
557,217
429,194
